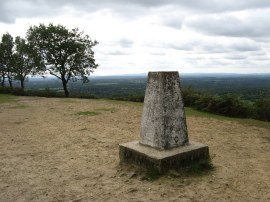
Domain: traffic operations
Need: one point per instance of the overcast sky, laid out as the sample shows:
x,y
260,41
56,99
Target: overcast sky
x,y
137,36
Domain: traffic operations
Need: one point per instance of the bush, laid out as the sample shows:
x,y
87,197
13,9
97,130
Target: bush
x,y
231,106
262,109
130,97
227,105
13,91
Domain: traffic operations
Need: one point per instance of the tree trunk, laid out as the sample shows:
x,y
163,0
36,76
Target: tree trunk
x,y
3,82
22,84
64,82
10,82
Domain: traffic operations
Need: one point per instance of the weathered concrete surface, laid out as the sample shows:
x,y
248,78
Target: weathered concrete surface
x,y
163,123
162,160
164,140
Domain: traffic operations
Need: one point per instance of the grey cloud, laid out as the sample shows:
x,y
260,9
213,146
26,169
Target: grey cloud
x,y
181,47
244,47
240,46
214,5
118,52
12,9
214,46
4,13
235,57
172,21
255,24
158,53
125,43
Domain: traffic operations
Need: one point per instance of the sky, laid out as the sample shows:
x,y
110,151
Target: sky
x,y
137,36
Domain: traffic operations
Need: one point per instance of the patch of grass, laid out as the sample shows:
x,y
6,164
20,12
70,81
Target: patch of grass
x,y
250,122
68,100
152,174
193,112
88,113
127,103
201,167
19,106
112,109
6,98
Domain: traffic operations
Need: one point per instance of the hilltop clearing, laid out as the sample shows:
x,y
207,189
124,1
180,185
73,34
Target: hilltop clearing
x,y
55,149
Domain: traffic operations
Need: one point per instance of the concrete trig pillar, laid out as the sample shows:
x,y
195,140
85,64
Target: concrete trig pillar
x,y
163,123
164,142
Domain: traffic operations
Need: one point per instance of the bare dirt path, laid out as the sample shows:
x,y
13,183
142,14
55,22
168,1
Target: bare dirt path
x,y
50,153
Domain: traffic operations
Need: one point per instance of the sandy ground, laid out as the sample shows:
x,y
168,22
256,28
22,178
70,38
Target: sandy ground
x,y
49,153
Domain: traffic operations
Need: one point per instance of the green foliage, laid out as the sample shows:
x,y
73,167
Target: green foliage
x,y
6,69
262,109
24,60
198,168
112,109
67,55
130,97
227,105
201,167
12,91
152,174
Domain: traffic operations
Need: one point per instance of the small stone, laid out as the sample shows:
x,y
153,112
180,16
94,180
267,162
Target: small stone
x,y
122,174
174,174
180,185
131,175
132,190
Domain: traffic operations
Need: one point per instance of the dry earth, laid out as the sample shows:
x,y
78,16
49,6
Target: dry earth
x,y
50,153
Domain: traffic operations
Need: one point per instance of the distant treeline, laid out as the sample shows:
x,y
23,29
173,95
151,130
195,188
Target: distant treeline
x,y
227,104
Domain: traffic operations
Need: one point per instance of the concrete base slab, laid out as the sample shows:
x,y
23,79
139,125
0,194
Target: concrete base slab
x,y
162,160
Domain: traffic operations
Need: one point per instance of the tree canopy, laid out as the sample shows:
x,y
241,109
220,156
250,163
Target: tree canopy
x,y
24,60
67,54
6,51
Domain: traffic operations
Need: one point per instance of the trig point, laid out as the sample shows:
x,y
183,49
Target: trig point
x,y
163,122
164,141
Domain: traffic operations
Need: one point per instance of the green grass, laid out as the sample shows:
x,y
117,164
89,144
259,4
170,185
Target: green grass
x,y
112,109
127,103
201,167
250,122
97,111
151,174
88,113
68,100
4,98
7,98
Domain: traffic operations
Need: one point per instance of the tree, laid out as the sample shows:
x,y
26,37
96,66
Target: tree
x,y
67,55
24,60
2,67
262,109
6,52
